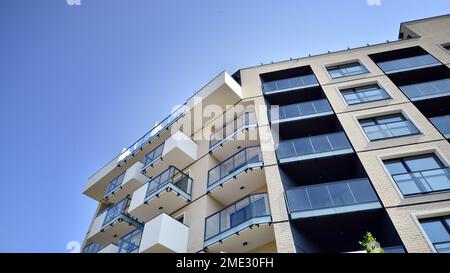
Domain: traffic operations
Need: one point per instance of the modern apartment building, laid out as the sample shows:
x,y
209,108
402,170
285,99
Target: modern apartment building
x,y
304,155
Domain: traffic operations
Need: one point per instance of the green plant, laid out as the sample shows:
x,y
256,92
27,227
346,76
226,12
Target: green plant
x,y
370,244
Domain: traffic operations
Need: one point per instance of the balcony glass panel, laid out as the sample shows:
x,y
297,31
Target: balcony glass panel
x,y
443,125
234,163
313,145
154,155
302,109
245,120
408,63
115,211
92,248
114,184
290,83
159,127
423,181
427,89
130,242
250,207
330,195
174,176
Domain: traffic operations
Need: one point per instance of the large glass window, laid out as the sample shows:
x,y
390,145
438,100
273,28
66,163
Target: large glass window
x,y
388,127
410,63
419,174
364,94
345,70
438,231
443,124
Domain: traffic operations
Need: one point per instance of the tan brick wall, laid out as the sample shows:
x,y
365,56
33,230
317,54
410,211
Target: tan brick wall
x,y
405,220
382,181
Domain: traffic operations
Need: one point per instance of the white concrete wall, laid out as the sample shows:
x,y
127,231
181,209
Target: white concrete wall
x,y
180,141
164,231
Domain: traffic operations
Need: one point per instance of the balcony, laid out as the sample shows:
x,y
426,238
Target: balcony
x,y
427,90
238,133
167,192
163,234
112,223
423,181
111,248
92,248
179,150
442,124
409,63
125,183
223,91
289,84
241,227
331,198
313,147
338,233
98,183
299,111
239,175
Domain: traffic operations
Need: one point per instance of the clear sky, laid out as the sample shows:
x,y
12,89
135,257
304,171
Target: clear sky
x,y
79,83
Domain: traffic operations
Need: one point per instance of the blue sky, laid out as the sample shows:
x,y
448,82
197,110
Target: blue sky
x,y
79,83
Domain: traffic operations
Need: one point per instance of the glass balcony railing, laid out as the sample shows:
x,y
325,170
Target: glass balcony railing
x,y
423,181
154,132
233,165
289,84
300,110
147,138
172,175
130,243
427,90
245,120
314,146
328,198
443,125
115,184
92,248
154,155
119,211
253,209
410,63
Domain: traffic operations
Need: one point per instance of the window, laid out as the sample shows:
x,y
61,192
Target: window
x,y
364,94
438,231
388,127
419,174
346,70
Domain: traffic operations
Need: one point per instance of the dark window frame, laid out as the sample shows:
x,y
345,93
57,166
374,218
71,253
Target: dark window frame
x,y
376,121
403,160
